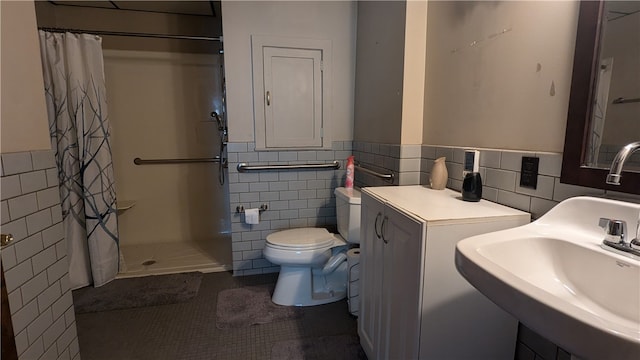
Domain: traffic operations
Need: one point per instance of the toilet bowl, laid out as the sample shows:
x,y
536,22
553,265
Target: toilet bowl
x,y
313,267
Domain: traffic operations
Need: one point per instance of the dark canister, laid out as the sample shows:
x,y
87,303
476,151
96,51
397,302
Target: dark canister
x,y
472,187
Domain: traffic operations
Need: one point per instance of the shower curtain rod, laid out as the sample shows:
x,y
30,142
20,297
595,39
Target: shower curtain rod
x,y
119,33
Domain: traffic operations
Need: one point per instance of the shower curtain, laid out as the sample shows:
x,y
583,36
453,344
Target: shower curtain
x,y
79,126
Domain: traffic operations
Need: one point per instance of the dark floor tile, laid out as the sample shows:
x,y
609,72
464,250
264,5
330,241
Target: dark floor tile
x,y
188,330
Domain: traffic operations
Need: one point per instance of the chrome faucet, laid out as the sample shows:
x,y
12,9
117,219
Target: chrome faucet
x,y
618,162
617,237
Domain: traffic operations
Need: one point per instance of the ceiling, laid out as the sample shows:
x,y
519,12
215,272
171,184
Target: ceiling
x,y
615,9
200,8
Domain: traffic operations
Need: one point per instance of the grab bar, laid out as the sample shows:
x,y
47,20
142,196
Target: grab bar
x,y
387,177
139,161
622,100
243,167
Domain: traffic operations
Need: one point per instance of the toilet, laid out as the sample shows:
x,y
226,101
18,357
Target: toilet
x,y
313,261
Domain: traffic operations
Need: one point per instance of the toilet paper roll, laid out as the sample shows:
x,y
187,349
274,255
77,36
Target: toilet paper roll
x,y
252,216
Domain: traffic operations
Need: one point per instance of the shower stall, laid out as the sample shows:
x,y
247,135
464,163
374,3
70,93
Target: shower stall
x,y
167,114
165,96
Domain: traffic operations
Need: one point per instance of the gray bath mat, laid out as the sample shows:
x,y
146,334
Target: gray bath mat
x,y
138,292
250,305
338,347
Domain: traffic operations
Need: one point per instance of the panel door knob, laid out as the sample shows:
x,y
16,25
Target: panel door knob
x,y
6,239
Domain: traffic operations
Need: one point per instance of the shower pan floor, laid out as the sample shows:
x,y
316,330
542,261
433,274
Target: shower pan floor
x,y
175,257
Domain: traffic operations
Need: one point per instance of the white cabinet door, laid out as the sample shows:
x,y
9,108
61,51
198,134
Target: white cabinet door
x,y
391,277
293,97
402,285
371,266
291,92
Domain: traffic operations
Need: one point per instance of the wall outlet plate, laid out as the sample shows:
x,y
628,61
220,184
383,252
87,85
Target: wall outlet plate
x,y
529,172
471,162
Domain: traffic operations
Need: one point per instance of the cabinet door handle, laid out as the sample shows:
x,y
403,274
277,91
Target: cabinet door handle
x,y
384,221
268,98
375,226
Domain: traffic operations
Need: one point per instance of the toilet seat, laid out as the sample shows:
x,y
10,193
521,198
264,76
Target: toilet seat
x,y
301,239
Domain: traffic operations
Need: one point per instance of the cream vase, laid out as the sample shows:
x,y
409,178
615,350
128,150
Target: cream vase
x,y
439,174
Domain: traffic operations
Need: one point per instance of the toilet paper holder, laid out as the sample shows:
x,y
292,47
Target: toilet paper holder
x,y
240,208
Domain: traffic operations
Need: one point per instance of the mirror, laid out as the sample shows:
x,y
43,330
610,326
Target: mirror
x,y
583,161
616,104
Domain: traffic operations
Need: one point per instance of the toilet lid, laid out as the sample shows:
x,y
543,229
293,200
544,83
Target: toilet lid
x,y
302,238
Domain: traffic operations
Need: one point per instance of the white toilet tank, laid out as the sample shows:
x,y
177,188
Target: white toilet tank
x,y
348,214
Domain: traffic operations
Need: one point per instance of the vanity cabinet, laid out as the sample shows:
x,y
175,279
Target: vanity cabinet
x,y
413,302
390,238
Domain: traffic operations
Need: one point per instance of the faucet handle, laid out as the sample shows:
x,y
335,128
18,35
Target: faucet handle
x,y
616,230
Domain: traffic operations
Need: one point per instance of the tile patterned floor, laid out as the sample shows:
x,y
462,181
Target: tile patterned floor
x,y
188,330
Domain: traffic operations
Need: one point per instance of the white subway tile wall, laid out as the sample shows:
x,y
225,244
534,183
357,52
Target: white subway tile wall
x,y
302,198
609,151
295,198
305,198
35,263
403,161
500,172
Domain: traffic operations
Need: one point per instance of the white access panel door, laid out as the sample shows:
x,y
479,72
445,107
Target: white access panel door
x,y
293,97
291,93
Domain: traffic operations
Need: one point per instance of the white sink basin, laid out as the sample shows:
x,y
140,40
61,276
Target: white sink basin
x,y
555,278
